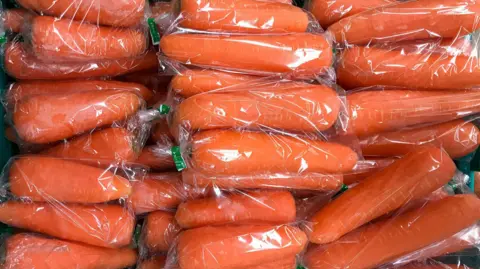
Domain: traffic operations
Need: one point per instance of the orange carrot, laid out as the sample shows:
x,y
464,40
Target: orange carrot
x,y
412,177
20,90
160,132
328,12
303,53
71,114
99,225
283,263
110,145
23,65
159,231
238,246
192,82
362,66
307,181
40,179
458,138
366,168
264,207
409,21
385,241
261,152
288,106
156,262
114,13
27,251
16,18
158,192
62,39
246,16
10,134
377,111
157,157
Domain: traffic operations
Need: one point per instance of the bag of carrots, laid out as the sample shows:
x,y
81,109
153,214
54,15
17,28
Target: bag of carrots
x,y
405,21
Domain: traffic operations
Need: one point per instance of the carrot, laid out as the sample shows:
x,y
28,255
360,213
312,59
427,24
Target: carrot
x,y
99,225
283,263
63,39
156,262
25,251
412,177
23,65
291,106
458,138
22,89
10,134
262,207
238,246
365,168
71,114
245,16
110,145
16,18
157,157
408,21
377,111
328,12
113,13
160,132
387,240
362,66
303,53
160,230
37,178
192,82
435,265
262,152
158,192
307,181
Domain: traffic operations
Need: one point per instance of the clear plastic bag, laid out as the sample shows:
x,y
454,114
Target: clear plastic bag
x,y
408,20
157,157
158,232
15,19
27,250
365,168
163,14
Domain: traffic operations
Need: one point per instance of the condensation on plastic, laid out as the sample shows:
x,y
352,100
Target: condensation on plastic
x,y
231,152
381,109
408,20
422,65
302,55
243,17
124,13
458,138
263,105
240,246
21,63
28,250
70,199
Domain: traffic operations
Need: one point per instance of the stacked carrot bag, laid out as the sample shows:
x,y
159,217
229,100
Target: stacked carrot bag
x,y
410,74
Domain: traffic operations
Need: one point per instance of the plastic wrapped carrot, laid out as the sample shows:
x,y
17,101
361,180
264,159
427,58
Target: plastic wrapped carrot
x,y
157,157
15,19
159,231
365,168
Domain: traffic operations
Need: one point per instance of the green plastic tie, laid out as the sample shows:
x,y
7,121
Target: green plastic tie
x,y
152,26
164,109
178,159
3,39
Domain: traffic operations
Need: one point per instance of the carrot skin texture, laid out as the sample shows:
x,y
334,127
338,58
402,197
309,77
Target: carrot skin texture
x,y
245,16
239,208
26,251
308,181
231,246
409,21
363,67
99,225
192,82
302,53
387,240
304,108
257,152
412,177
112,13
378,111
24,65
46,179
458,138
160,231
110,145
39,123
